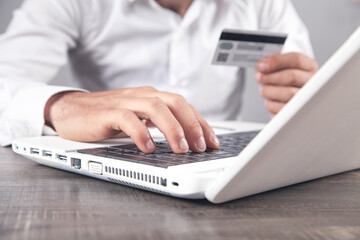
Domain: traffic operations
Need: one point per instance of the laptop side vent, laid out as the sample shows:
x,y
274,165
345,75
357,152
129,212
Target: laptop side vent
x,y
136,175
137,186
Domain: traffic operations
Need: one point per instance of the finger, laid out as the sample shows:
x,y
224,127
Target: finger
x,y
187,119
126,121
148,123
290,77
156,111
277,93
211,139
120,135
285,61
274,107
181,111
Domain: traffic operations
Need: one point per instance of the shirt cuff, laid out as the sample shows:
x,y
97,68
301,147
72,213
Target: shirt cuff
x,y
24,116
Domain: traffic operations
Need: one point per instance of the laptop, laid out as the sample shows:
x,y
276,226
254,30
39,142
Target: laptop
x,y
315,135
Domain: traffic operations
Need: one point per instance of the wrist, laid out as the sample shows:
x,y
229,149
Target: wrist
x,y
53,107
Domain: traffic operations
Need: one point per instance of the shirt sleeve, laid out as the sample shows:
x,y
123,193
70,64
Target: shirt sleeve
x,y
32,51
281,16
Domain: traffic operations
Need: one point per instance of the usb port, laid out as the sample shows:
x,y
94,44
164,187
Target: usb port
x,y
34,151
47,153
62,158
76,163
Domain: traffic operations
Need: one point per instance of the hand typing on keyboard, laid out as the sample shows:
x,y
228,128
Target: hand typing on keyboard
x,y
94,116
231,145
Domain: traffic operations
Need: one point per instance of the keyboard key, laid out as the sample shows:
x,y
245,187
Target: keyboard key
x,y
230,146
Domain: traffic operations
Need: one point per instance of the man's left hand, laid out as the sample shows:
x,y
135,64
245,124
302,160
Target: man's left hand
x,y
282,76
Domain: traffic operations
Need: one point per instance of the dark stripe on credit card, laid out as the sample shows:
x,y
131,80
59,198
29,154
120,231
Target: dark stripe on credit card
x,y
252,38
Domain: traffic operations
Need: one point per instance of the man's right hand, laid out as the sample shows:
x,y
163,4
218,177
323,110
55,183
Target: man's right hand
x,y
90,117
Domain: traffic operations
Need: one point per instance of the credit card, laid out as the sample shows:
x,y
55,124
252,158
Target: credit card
x,y
246,48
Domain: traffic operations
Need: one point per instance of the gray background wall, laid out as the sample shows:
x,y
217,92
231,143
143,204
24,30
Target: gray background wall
x,y
330,22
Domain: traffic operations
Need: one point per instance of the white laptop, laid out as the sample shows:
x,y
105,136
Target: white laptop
x,y
315,135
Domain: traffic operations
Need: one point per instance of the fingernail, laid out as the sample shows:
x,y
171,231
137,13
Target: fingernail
x,y
215,140
200,144
183,145
150,145
263,67
258,77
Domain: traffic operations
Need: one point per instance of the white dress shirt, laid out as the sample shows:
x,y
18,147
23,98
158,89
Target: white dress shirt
x,y
114,44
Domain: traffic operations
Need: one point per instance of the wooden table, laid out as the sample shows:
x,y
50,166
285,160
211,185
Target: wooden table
x,y
37,202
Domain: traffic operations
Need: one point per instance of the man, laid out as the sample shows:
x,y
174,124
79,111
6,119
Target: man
x,y
118,47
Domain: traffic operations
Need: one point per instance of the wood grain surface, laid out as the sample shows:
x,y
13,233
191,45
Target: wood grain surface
x,y
37,202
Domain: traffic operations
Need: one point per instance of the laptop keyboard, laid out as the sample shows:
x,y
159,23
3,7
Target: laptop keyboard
x,y
230,145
